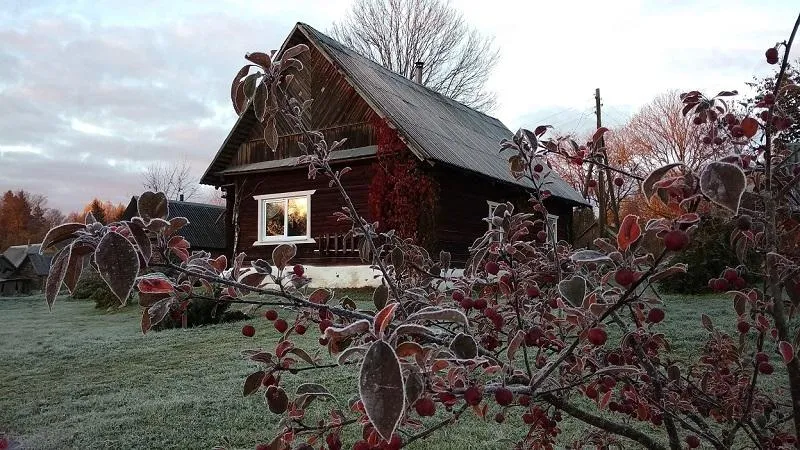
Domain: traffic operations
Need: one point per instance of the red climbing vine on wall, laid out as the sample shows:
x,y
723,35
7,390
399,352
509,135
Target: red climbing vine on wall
x,y
402,196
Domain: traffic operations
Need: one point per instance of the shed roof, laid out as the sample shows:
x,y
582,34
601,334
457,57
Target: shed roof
x,y
206,228
17,254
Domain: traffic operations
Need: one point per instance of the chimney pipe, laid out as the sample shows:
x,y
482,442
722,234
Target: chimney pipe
x,y
418,71
181,197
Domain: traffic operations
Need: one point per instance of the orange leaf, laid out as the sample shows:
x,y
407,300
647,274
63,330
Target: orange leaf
x,y
629,232
384,318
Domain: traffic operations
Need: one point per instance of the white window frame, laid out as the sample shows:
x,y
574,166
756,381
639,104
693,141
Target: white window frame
x,y
285,196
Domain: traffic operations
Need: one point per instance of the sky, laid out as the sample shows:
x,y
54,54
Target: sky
x,y
93,92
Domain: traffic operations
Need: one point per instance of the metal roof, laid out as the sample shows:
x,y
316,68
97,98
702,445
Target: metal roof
x,y
17,254
441,129
436,128
206,228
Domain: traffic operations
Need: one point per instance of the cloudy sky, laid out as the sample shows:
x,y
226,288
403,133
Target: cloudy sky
x,y
92,92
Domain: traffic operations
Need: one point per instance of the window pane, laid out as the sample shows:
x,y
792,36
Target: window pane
x,y
273,218
298,216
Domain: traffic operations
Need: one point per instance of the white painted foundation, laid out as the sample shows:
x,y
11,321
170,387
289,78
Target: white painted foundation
x,y
337,277
342,276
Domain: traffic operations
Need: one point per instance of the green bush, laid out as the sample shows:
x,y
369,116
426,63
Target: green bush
x,y
202,312
707,256
92,287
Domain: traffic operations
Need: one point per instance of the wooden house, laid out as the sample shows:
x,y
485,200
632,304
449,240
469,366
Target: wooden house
x,y
455,146
23,270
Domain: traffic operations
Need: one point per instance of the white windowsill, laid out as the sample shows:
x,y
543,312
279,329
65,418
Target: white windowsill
x,y
285,241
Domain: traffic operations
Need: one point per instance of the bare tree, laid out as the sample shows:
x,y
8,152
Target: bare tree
x,y
173,179
660,134
398,33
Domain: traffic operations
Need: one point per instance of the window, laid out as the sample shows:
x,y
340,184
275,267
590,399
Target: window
x,y
284,217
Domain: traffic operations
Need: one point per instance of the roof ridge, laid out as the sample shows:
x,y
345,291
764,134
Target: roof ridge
x,y
398,76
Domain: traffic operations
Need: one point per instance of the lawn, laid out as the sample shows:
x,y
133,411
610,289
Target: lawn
x,y
86,378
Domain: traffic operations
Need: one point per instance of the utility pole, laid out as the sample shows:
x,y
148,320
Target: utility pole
x,y
601,182
605,184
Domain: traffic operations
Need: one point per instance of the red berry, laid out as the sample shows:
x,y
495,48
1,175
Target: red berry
x,y
597,336
618,182
676,240
323,341
298,270
737,131
499,418
506,279
249,330
772,55
528,418
492,268
324,324
762,357
766,368
271,314
532,291
743,327
538,168
480,304
394,443
692,441
698,120
730,275
624,276
524,400
281,325
503,396
707,140
655,315
262,447
467,304
591,391
541,236
717,141
300,329
458,295
425,407
472,396
592,183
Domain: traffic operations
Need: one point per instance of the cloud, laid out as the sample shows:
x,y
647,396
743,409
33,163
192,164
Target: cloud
x,y
93,92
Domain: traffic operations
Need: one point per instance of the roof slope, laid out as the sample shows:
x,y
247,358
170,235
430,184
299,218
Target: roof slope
x,y
17,254
206,228
435,127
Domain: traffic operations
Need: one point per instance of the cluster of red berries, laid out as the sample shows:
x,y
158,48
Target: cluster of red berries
x,y
494,317
730,279
762,363
537,417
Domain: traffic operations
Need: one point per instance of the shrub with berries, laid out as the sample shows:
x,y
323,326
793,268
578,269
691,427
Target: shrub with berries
x,y
532,330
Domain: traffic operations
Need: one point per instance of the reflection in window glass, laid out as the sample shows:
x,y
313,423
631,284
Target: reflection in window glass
x,y
297,216
273,218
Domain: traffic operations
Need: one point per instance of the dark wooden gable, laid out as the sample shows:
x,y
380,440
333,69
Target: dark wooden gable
x,y
337,110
